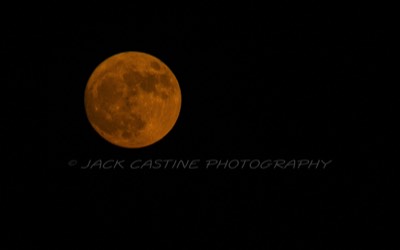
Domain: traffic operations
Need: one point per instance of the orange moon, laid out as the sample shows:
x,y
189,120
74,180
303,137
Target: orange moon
x,y
132,99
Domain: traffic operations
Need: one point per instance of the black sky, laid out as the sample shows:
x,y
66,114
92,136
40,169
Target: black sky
x,y
277,82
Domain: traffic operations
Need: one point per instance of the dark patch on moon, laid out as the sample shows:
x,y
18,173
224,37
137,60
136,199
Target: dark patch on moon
x,y
155,65
164,96
127,135
149,83
105,125
130,100
109,92
137,122
99,76
106,93
130,124
165,80
132,78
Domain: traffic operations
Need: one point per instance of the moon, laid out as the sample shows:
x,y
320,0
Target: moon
x,y
132,99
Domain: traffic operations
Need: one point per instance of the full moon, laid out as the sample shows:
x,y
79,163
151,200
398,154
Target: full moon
x,y
132,99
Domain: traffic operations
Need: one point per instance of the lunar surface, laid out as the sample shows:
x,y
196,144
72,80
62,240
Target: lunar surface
x,y
132,99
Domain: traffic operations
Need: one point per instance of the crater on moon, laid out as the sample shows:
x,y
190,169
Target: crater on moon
x,y
132,99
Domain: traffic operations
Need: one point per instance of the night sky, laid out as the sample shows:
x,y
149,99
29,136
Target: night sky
x,y
257,82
